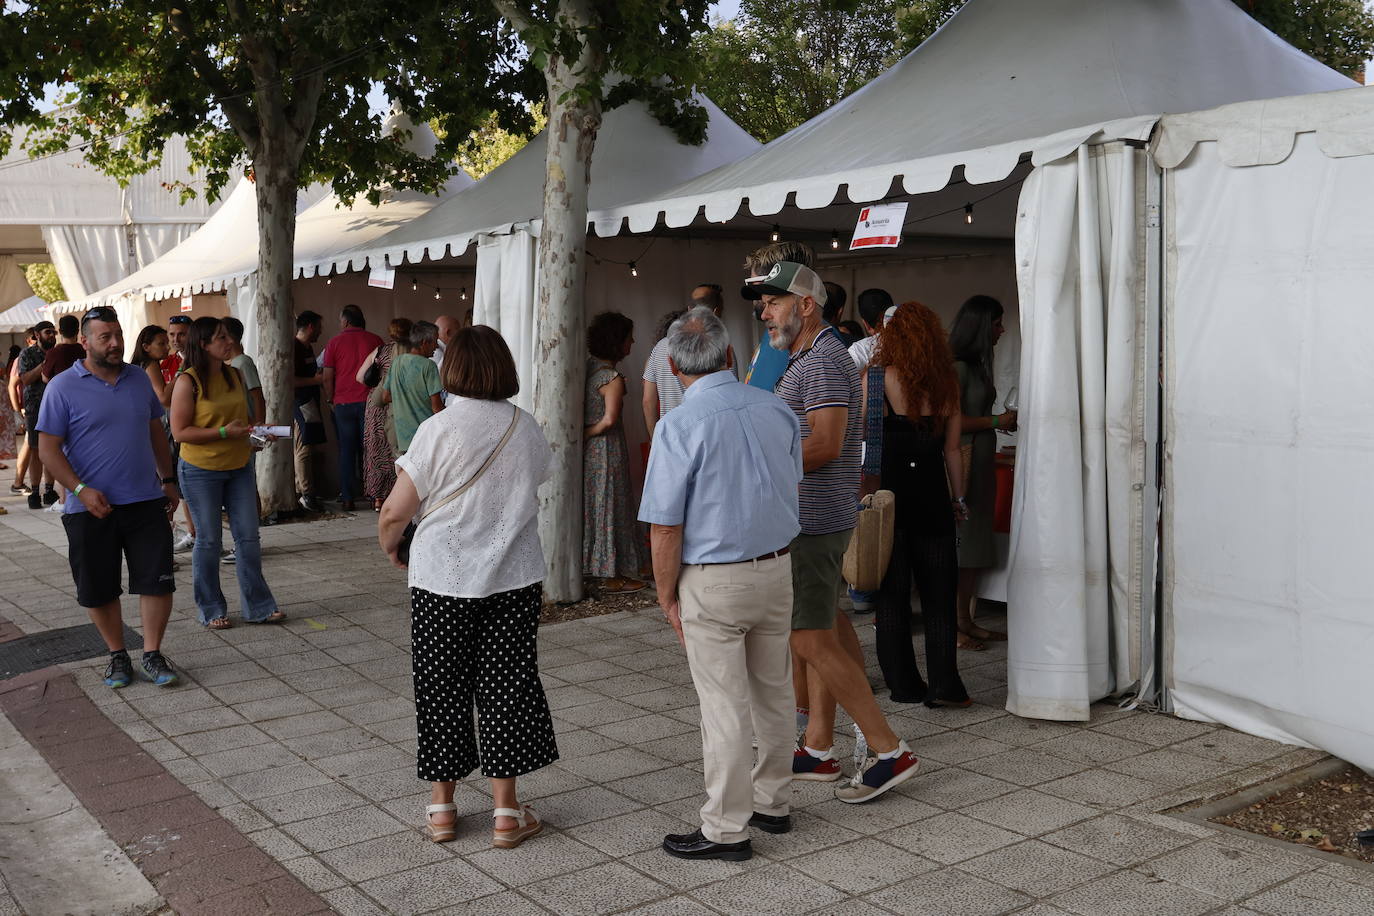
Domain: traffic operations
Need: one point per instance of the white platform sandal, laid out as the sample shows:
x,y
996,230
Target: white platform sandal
x,y
527,825
441,833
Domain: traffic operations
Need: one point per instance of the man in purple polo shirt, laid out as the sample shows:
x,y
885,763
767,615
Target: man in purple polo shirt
x,y
100,434
343,356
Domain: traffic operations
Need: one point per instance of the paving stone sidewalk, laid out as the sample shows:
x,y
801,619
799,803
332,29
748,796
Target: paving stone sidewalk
x,y
302,737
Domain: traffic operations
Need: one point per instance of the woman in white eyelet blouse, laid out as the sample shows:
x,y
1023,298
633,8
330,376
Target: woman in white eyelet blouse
x,y
476,572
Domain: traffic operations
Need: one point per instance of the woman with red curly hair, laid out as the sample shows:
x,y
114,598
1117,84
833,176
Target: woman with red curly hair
x,y
920,462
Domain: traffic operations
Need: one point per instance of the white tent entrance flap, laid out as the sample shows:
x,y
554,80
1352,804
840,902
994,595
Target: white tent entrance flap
x,y
1078,512
1271,431
507,277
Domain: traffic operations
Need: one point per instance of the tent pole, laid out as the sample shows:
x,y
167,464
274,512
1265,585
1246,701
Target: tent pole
x,y
1152,637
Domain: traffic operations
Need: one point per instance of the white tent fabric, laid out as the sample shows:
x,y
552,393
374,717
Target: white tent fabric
x,y
90,224
507,277
1270,433
1077,507
14,286
22,315
1001,79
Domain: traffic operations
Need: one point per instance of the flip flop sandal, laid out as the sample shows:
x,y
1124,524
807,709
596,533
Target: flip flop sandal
x,y
441,833
528,826
220,623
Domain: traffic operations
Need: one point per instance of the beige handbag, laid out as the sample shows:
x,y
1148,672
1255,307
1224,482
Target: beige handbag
x,y
870,548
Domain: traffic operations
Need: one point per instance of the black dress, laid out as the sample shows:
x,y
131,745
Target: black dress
x,y
913,468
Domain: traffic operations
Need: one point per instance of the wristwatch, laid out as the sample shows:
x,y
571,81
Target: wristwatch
x,y
167,480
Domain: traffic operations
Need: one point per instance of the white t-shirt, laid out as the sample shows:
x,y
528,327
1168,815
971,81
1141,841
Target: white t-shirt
x,y
862,351
487,540
438,359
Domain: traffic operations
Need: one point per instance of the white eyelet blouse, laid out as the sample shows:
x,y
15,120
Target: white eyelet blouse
x,y
487,540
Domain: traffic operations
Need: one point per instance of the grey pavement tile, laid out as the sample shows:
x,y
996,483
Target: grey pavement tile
x,y
1120,840
950,717
245,817
366,762
297,662
644,728
303,725
1172,768
569,696
1131,892
950,838
550,780
613,764
663,699
1024,766
582,806
630,623
599,712
278,707
262,688
583,743
385,855
387,710
809,833
430,887
626,684
276,844
583,672
685,874
215,793
1102,788
330,744
953,788
1044,909
773,889
317,876
395,731
1224,870
557,656
674,906
1022,732
850,907
1315,893
1156,729
676,749
321,678
690,714
659,786
543,856
892,810
187,771
613,648
340,635
1351,874
167,702
862,866
353,693
1029,813
1092,747
959,747
388,784
949,892
655,659
1232,747
507,903
254,759
370,650
1035,868
332,831
630,833
197,720
277,781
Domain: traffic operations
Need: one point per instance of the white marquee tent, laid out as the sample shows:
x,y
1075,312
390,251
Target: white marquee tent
x,y
22,315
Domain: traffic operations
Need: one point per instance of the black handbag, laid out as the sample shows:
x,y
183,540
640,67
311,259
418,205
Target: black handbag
x,y
373,376
407,536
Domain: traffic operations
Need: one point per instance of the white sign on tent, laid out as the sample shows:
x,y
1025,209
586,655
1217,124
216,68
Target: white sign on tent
x,y
382,277
879,226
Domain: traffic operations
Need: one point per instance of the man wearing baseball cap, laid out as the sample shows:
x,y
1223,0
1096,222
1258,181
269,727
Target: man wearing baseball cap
x,y
821,386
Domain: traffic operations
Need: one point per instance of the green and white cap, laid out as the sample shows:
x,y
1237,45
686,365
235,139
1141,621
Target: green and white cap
x,y
786,278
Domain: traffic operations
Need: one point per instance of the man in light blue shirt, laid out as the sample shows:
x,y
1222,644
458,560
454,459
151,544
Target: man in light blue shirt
x,y
720,495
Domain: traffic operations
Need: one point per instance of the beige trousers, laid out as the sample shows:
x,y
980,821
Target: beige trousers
x,y
737,620
305,471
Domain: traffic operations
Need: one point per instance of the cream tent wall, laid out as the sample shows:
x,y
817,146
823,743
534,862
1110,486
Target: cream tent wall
x,y
1269,427
94,231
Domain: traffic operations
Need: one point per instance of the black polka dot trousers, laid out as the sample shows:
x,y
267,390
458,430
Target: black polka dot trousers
x,y
480,651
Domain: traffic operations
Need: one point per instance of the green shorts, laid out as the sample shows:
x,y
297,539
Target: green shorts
x,y
816,578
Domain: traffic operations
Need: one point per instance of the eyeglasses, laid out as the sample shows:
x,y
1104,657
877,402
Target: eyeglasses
x,y
100,313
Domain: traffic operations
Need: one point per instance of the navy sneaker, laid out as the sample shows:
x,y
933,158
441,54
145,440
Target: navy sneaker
x,y
816,769
864,602
158,669
120,671
876,776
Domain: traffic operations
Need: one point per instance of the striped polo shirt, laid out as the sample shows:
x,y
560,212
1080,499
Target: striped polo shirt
x,y
821,376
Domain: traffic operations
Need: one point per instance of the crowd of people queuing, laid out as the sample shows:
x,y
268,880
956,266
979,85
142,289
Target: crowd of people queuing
x,y
750,497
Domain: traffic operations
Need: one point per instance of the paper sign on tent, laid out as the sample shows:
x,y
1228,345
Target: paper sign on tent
x,y
187,302
382,277
879,226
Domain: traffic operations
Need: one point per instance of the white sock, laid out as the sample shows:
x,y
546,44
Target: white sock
x,y
819,755
889,755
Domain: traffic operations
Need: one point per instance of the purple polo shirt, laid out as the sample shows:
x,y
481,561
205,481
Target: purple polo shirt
x,y
105,432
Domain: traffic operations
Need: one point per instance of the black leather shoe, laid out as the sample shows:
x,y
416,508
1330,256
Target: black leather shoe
x,y
772,823
695,846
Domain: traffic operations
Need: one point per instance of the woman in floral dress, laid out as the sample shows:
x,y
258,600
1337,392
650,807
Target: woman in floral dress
x,y
611,548
379,436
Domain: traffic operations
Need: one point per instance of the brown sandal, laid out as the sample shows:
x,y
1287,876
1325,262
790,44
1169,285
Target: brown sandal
x,y
441,833
527,826
220,623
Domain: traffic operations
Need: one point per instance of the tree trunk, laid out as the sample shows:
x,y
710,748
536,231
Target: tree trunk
x,y
276,198
560,378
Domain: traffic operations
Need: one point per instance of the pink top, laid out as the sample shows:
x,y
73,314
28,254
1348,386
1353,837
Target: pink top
x,y
344,354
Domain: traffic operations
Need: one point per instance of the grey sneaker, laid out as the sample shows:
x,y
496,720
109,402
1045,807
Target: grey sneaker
x,y
158,669
120,671
876,776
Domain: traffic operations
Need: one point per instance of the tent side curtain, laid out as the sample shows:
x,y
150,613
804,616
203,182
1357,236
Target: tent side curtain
x,y
1271,435
91,258
1078,511
507,276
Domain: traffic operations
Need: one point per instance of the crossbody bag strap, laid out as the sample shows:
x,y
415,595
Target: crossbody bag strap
x,y
510,430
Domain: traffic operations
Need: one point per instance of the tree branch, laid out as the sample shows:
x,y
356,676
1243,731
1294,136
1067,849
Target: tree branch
x,y
520,19
239,115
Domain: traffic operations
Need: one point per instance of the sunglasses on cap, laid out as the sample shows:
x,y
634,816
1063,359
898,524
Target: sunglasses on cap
x,y
100,313
179,319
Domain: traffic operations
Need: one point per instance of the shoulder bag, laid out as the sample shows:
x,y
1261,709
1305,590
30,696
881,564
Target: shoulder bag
x,y
407,536
870,547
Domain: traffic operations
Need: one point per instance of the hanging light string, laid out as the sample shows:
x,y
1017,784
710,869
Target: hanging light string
x,y
462,291
633,263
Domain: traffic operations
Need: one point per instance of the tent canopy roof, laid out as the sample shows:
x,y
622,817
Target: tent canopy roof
x,y
1002,79
1263,132
22,315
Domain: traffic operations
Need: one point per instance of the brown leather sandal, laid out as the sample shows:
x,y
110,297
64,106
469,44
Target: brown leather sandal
x,y
527,826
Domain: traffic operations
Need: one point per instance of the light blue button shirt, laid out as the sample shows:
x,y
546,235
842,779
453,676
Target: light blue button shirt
x,y
725,465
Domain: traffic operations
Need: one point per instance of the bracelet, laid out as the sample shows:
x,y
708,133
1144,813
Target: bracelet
x,y
76,491
994,422
222,433
167,480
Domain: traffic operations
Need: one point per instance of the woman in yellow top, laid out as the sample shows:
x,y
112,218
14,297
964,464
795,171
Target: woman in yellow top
x,y
210,420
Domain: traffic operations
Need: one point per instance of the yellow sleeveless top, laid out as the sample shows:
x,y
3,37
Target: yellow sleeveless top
x,y
216,406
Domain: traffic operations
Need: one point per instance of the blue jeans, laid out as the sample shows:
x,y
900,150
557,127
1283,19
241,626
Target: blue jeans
x,y
208,492
348,426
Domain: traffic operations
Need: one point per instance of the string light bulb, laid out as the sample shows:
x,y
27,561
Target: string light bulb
x,y
776,234
968,214
834,241
634,271
328,281
436,294
464,294
413,285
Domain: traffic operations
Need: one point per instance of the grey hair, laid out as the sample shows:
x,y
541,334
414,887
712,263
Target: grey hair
x,y
698,342
423,332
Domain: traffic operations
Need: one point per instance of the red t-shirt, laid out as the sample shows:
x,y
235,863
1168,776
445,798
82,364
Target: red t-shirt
x,y
60,359
170,367
344,354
